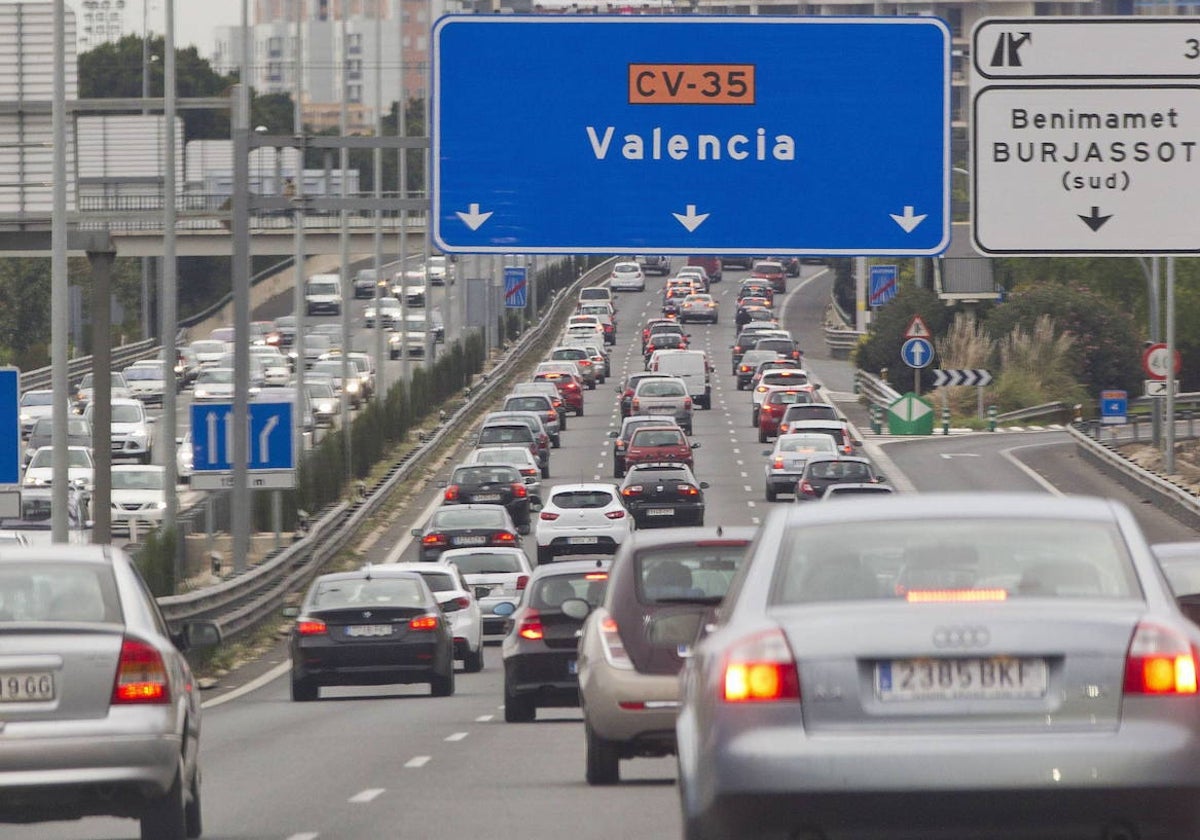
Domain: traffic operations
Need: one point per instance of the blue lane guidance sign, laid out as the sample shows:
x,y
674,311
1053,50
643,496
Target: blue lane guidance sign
x,y
515,288
270,437
691,135
883,284
10,426
917,352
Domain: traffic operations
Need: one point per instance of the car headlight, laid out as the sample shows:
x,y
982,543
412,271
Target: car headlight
x,y
202,393
160,505
352,386
34,481
25,418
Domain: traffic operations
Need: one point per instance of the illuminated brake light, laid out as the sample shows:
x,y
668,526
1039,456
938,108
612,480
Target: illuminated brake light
x,y
433,539
615,514
548,516
451,493
504,537
761,669
613,646
777,464
1160,661
632,490
944,596
531,626
311,627
423,623
806,488
141,674
688,490
519,491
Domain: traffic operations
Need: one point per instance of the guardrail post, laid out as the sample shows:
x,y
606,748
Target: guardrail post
x,y
946,421
992,418
1137,428
1191,417
876,419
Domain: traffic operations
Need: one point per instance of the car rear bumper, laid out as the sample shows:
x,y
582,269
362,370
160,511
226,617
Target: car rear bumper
x,y
605,688
678,514
546,676
604,544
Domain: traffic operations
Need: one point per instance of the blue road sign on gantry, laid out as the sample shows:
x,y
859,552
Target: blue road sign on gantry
x,y
691,134
270,437
10,426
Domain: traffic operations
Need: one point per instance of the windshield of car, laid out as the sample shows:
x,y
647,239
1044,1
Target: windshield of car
x,y
76,457
37,398
137,479
486,564
209,348
963,560
482,517
359,592
323,288
582,499
58,591
143,374
691,572
126,413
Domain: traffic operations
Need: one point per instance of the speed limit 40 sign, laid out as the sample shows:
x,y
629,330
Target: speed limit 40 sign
x,y
1154,361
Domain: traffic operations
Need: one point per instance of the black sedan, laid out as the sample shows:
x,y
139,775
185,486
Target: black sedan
x,y
376,626
540,642
490,484
466,526
663,494
823,471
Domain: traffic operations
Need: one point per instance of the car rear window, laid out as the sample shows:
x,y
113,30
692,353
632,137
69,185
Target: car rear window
x,y
582,499
661,388
505,434
550,592
789,397
485,475
484,517
358,592
657,437
784,378
527,404
486,564
439,581
698,571
968,560
839,470
812,411
58,591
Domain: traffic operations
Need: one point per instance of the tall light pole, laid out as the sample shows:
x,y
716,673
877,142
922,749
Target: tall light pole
x,y
298,220
168,296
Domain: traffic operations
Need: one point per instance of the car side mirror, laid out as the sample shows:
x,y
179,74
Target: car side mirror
x,y
880,478
856,443
197,635
613,433
416,532
704,485
767,453
816,386
696,445
536,506
442,483
290,612
576,608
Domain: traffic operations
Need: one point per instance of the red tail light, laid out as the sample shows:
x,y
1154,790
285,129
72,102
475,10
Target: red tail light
x,y
743,368
423,623
529,471
805,488
531,626
777,464
548,516
688,490
613,646
1160,661
783,427
519,491
633,406
687,402
761,669
504,537
522,582
451,493
433,539
632,490
615,514
141,675
311,627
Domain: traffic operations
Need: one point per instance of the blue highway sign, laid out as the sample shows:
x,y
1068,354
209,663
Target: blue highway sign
x,y
516,291
1114,407
270,437
691,135
917,352
10,426
883,284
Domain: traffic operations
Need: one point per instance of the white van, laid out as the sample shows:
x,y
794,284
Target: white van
x,y
689,365
323,294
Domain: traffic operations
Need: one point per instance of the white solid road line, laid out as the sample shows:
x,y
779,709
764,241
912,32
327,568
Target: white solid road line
x,y
1007,454
418,761
405,541
254,684
308,835
366,796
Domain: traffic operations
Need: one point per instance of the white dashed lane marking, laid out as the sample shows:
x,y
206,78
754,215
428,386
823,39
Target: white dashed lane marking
x,y
484,718
307,835
418,761
456,736
366,795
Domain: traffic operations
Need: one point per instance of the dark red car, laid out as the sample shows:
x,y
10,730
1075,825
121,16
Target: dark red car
x,y
569,386
659,443
772,271
773,407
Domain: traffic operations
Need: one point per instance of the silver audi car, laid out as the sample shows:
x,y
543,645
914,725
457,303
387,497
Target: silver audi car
x,y
945,666
99,713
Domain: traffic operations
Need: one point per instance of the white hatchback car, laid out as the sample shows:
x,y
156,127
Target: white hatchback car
x,y
138,494
497,576
458,605
627,277
586,518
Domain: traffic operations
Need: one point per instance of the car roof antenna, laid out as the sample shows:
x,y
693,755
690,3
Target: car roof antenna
x,y
720,531
367,571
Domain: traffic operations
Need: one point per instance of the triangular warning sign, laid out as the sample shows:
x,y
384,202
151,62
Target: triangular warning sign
x,y
917,328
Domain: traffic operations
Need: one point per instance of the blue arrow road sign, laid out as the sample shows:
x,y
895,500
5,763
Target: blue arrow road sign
x,y
10,426
917,352
883,284
837,129
515,288
270,437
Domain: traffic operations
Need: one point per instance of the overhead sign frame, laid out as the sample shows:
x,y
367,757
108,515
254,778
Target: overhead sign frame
x,y
618,157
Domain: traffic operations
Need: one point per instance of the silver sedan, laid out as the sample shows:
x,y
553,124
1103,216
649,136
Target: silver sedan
x,y
945,666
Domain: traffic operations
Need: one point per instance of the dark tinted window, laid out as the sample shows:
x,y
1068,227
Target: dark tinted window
x,y
527,404
439,581
657,437
582,499
505,434
362,592
485,475
486,564
452,517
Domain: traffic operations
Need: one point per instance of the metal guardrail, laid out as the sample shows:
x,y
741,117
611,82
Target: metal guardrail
x,y
841,341
1064,410
126,354
241,603
874,389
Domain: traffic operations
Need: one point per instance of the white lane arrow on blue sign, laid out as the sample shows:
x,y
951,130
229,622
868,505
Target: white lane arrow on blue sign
x,y
917,352
630,153
269,443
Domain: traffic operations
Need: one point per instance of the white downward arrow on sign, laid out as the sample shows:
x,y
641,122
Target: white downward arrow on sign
x,y
690,220
908,221
473,218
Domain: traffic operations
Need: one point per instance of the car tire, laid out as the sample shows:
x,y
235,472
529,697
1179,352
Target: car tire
x,y
545,555
304,690
770,494
518,708
165,817
592,385
473,661
546,471
442,685
762,435
618,472
753,417
523,529
603,759
579,411
191,810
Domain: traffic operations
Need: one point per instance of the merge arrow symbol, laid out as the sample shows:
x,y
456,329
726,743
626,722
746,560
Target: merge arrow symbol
x,y
1095,221
908,221
691,220
473,218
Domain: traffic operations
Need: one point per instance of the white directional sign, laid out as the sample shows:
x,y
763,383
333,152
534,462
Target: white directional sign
x,y
961,377
1158,387
1083,130
910,407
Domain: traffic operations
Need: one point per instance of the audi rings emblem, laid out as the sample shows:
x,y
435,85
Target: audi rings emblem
x,y
961,637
